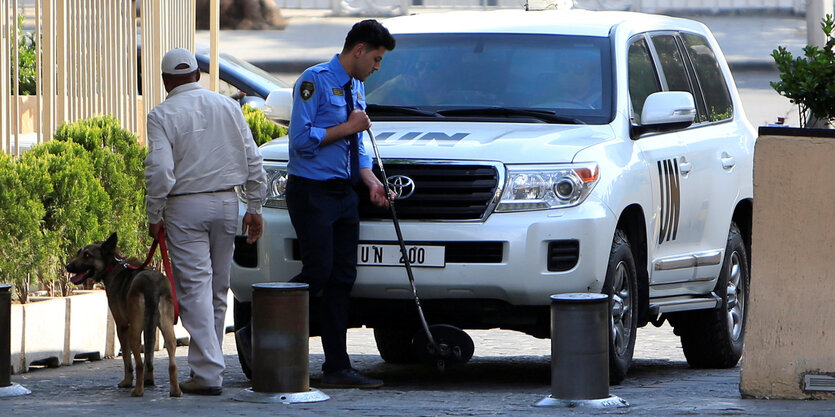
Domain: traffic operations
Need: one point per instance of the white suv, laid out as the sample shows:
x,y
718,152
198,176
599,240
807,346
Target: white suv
x,y
548,152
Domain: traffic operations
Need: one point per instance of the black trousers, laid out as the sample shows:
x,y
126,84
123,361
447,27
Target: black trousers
x,y
325,217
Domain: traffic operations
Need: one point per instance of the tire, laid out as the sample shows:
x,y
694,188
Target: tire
x,y
242,315
714,338
395,344
621,286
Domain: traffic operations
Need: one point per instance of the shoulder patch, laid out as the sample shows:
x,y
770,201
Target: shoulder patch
x,y
306,90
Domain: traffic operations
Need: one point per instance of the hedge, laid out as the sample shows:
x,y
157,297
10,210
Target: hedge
x,y
77,189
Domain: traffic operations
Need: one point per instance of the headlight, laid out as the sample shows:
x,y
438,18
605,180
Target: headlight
x,y
541,187
276,185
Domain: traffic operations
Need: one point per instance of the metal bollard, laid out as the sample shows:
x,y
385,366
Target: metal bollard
x,y
280,346
580,352
7,387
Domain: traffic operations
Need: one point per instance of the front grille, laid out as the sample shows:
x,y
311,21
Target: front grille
x,y
486,252
563,255
442,192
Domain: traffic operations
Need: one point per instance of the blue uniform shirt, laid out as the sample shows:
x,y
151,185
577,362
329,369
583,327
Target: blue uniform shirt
x,y
319,103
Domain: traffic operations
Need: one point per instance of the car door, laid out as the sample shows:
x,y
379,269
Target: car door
x,y
664,154
713,145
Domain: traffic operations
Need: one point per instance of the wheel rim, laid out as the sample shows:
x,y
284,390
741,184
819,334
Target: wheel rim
x,y
735,297
621,309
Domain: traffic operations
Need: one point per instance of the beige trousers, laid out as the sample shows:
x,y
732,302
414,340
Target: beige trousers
x,y
200,232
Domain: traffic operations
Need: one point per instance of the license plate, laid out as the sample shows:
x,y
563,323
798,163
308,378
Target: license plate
x,y
390,255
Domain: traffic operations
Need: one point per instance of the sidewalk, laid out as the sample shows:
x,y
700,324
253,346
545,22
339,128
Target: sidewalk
x,y
313,36
509,373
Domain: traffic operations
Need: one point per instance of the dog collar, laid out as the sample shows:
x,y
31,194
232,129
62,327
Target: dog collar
x,y
112,266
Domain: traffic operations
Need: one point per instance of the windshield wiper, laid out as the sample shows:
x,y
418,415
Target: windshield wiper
x,y
544,115
411,111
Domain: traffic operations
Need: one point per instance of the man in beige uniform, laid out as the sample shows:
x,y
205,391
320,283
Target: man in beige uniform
x,y
199,148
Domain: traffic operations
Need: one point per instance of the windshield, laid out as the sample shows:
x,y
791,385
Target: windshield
x,y
569,76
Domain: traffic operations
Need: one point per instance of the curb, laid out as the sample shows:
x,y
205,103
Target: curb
x,y
753,65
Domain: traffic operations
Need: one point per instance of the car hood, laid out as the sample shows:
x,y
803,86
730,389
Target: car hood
x,y
505,142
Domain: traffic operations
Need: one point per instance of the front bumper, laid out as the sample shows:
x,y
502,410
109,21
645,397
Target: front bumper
x,y
520,277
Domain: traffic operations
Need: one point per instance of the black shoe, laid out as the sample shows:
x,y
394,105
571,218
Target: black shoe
x,y
349,378
192,387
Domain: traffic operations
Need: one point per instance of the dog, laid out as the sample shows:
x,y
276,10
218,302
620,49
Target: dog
x,y
140,300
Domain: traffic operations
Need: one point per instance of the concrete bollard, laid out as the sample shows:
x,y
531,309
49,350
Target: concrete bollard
x,y
7,387
580,352
280,346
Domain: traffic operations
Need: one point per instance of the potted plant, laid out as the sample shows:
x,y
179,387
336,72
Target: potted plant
x,y
809,80
790,249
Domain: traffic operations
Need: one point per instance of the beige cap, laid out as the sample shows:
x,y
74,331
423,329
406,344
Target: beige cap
x,y
177,57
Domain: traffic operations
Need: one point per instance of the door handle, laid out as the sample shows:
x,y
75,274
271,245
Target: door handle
x,y
685,167
728,161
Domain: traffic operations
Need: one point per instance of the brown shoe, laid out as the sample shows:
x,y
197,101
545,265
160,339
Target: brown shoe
x,y
192,387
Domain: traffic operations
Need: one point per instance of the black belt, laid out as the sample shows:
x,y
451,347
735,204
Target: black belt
x,y
204,192
335,184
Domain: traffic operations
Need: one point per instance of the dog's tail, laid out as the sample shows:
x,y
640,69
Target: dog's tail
x,y
151,320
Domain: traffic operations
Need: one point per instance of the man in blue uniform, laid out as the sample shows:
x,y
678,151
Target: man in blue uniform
x,y
327,158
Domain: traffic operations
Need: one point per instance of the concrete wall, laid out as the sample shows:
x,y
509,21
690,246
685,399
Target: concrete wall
x,y
791,314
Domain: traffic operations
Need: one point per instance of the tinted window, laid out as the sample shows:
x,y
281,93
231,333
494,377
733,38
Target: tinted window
x,y
570,75
714,88
642,78
671,63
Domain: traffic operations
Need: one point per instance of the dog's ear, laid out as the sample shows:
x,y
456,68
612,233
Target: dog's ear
x,y
109,245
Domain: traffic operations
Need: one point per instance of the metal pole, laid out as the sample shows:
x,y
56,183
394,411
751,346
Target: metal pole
x,y
280,346
7,388
815,12
580,352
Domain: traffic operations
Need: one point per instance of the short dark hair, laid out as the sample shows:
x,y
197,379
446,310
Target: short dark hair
x,y
371,33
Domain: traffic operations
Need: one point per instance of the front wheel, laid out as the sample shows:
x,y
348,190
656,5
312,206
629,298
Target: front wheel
x,y
621,286
713,338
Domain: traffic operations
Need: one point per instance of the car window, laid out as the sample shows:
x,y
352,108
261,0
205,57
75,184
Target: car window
x,y
643,80
714,88
672,65
223,87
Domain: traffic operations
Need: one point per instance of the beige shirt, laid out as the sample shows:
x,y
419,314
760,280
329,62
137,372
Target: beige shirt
x,y
199,141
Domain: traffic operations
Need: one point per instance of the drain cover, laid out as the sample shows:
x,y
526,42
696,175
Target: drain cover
x,y
818,383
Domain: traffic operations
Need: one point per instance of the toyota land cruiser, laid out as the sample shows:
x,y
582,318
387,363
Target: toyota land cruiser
x,y
544,152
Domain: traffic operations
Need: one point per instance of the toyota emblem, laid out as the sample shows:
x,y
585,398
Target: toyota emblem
x,y
402,186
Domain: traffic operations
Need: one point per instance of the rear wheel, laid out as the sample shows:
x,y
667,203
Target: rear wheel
x,y
395,344
242,315
621,286
713,338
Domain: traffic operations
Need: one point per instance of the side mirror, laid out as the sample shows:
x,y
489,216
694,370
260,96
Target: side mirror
x,y
279,105
256,102
667,110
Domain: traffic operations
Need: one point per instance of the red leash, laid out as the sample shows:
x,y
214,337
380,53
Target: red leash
x,y
160,240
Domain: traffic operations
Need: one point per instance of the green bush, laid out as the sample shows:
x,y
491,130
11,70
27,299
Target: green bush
x,y
27,79
118,164
263,129
809,80
25,249
64,194
77,210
